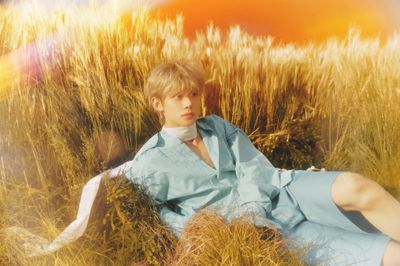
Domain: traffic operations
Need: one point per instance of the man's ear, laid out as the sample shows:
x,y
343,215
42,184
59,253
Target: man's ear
x,y
157,104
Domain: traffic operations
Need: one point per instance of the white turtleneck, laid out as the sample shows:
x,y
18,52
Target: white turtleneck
x,y
183,133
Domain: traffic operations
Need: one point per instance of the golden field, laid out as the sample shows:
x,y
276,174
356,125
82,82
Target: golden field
x,y
77,109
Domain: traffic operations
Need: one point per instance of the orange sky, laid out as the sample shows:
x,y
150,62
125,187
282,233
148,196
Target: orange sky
x,y
290,20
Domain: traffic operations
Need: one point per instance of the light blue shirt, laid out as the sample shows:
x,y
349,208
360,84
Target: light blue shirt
x,y
182,183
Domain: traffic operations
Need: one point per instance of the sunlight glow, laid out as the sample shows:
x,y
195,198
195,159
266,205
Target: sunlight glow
x,y
25,62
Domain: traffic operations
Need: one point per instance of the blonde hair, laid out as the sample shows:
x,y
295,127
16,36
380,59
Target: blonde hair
x,y
174,78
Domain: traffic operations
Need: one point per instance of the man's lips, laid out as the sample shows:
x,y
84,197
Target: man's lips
x,y
188,115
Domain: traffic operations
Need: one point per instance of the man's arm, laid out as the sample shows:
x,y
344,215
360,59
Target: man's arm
x,y
258,179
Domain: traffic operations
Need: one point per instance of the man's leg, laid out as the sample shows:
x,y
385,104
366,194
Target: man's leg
x,y
392,254
353,192
336,237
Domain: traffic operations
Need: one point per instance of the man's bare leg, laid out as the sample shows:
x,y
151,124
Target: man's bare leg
x,y
353,192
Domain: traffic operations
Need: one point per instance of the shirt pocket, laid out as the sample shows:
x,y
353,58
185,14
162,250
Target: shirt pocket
x,y
190,179
286,211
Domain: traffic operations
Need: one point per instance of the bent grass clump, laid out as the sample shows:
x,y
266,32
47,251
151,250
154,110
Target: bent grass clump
x,y
130,229
209,240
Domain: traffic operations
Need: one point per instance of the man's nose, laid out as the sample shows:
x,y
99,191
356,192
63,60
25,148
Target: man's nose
x,y
187,102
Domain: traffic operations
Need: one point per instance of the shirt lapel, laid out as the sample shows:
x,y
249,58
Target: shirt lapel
x,y
211,142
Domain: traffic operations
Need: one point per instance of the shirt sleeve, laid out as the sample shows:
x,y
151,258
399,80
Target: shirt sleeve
x,y
155,183
134,171
258,179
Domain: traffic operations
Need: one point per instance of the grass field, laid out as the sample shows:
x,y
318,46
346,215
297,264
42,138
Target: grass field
x,y
77,109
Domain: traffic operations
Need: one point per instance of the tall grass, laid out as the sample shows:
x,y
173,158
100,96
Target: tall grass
x,y
333,105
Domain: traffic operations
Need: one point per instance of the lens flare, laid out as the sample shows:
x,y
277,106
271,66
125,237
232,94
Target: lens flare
x,y
28,64
8,73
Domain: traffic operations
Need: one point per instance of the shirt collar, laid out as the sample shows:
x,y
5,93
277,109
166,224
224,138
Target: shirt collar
x,y
172,146
202,124
169,140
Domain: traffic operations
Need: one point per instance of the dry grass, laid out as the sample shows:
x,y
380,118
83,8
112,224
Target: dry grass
x,y
208,240
82,110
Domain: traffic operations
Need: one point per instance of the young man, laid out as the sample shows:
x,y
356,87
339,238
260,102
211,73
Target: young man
x,y
197,162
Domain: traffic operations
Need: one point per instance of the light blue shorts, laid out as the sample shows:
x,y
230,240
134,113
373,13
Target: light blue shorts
x,y
311,219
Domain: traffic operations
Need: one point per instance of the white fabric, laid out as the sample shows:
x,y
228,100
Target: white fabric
x,y
36,246
182,133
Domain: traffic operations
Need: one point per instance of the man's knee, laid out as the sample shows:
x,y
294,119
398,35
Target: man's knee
x,y
352,191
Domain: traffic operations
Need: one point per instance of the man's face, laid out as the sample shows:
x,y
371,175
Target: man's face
x,y
180,110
